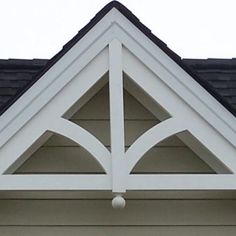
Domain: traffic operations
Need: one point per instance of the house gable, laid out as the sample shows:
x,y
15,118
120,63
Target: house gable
x,y
115,51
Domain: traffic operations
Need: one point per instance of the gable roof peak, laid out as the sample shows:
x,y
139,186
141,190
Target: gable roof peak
x,y
145,30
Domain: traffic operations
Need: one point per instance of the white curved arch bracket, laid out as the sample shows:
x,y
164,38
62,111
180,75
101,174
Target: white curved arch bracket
x,y
83,138
150,138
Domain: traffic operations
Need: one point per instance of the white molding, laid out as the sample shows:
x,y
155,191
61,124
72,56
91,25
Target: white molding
x,y
54,182
154,108
54,80
162,115
175,77
28,135
133,182
150,54
182,182
168,98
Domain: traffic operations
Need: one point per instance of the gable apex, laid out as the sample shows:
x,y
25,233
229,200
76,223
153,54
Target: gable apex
x,y
115,49
132,18
115,21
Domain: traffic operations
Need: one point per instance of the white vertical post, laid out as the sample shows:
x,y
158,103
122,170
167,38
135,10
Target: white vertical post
x,y
117,118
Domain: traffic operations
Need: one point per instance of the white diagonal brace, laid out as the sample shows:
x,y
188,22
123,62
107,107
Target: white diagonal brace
x,y
117,117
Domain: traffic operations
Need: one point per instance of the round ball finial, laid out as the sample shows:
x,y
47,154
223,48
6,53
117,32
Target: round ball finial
x,y
118,202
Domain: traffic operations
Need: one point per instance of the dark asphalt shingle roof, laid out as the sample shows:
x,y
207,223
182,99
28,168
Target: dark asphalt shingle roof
x,y
217,76
15,74
220,74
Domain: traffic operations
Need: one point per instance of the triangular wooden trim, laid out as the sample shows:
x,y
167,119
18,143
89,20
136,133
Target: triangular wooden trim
x,y
116,45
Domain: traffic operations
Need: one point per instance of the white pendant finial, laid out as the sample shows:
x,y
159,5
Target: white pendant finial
x,y
118,202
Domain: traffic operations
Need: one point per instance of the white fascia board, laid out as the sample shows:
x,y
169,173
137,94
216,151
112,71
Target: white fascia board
x,y
176,78
56,78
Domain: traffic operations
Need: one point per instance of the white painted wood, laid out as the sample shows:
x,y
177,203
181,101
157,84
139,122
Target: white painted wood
x,y
117,117
89,211
78,106
203,152
131,37
182,182
176,106
80,71
153,107
36,127
26,145
195,146
51,84
223,151
150,138
161,114
81,87
55,182
85,139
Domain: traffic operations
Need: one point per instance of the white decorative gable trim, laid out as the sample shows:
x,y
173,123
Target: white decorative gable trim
x,y
116,46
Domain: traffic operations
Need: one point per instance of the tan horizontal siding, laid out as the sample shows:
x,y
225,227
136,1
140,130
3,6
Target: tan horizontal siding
x,y
76,159
101,129
61,159
57,140
117,231
100,212
98,107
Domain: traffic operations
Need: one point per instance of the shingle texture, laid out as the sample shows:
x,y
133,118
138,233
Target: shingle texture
x,y
15,74
216,76
220,74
